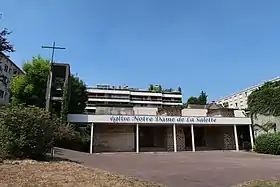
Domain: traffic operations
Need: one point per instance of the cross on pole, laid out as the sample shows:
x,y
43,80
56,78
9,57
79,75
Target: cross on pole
x,y
49,86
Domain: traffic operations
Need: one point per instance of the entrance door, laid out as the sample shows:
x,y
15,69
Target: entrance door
x,y
146,137
199,136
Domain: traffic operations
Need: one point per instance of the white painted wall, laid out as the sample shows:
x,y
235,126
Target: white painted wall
x,y
194,112
145,111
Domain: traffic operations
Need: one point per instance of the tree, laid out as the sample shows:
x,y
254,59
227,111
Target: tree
x,y
159,88
179,89
265,100
151,87
5,45
78,96
200,100
193,100
30,89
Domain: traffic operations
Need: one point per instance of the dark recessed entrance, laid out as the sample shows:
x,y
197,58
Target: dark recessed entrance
x,y
152,139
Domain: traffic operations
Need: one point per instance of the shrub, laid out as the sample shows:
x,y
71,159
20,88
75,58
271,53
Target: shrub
x,y
25,132
268,143
73,137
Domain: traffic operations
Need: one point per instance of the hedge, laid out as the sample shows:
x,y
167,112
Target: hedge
x,y
25,132
268,143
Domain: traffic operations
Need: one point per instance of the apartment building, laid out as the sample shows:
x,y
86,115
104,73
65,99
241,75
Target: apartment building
x,y
106,95
239,100
8,69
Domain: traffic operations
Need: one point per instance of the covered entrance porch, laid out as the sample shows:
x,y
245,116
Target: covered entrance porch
x,y
166,133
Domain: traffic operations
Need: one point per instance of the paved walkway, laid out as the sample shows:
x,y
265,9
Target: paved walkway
x,y
184,169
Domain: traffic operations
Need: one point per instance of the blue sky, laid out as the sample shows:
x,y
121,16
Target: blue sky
x,y
213,45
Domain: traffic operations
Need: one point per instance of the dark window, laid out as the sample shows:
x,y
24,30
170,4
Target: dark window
x,y
15,72
1,94
236,104
6,68
10,70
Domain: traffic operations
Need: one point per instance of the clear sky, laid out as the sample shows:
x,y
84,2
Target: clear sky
x,y
213,45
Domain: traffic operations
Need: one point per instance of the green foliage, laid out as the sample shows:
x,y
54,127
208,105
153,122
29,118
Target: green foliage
x,y
265,100
78,95
25,131
5,45
160,89
30,89
193,100
73,137
200,100
65,101
268,143
179,89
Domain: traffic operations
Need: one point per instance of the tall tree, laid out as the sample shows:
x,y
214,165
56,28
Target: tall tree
x,y
5,45
30,89
78,95
151,87
202,98
179,89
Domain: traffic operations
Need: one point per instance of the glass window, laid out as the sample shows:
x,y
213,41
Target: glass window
x,y
6,68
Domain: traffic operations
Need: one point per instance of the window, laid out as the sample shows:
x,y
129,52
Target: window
x,y
1,94
236,104
10,70
15,72
6,68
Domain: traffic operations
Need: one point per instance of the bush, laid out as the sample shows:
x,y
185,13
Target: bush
x,y
25,132
268,144
73,137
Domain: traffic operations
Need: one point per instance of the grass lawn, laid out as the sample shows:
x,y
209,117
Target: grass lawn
x,y
61,173
260,183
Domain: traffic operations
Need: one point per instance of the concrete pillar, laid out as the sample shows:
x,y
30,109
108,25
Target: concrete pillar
x,y
91,138
236,137
193,142
174,138
137,138
251,136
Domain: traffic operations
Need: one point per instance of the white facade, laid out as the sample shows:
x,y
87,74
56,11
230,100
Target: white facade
x,y
239,99
8,69
130,97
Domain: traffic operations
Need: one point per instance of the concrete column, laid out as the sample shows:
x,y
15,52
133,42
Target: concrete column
x,y
91,138
174,138
193,142
137,138
236,137
251,136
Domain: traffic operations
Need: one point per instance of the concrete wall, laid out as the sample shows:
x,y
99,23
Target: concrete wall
x,y
220,138
262,120
114,110
145,111
180,138
114,138
194,112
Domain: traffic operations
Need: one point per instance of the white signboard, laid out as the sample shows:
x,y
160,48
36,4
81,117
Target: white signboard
x,y
161,119
123,119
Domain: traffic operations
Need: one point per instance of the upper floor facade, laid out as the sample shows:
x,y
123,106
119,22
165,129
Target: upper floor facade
x,y
117,97
239,100
8,69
